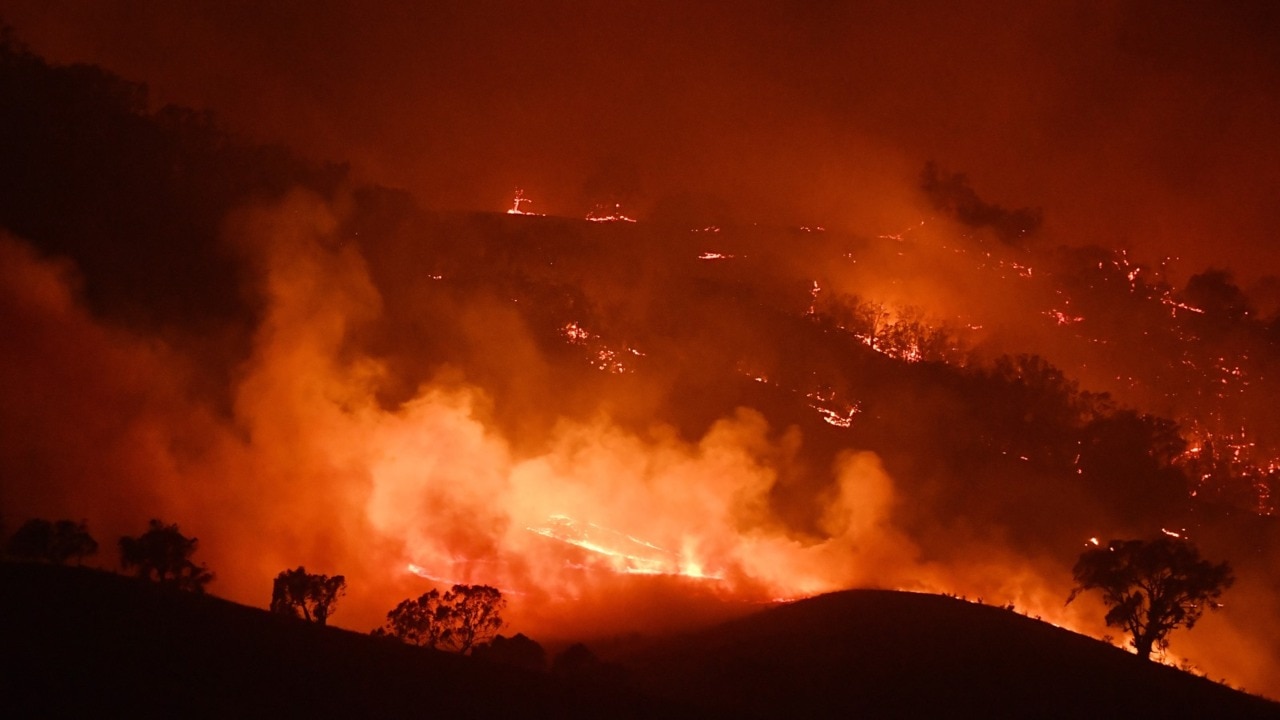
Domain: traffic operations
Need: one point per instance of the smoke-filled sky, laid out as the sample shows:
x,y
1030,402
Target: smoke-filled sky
x,y
1149,125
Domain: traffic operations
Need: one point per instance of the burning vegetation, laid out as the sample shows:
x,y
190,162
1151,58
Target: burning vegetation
x,y
606,419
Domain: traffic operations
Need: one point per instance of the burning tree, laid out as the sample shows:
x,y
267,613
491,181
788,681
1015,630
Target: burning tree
x,y
55,542
1151,587
458,620
312,597
163,554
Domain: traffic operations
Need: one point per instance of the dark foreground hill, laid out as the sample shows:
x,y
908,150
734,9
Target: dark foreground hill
x,y
88,643
868,653
84,643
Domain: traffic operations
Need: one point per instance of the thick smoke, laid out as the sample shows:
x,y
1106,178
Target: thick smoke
x,y
952,195
312,469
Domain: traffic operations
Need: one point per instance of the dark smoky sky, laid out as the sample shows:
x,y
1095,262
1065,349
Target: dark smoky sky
x,y
1149,125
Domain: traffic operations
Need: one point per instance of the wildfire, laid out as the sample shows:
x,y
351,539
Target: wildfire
x,y
619,552
814,292
1226,467
1168,300
575,333
841,416
519,200
600,356
1062,318
601,214
612,361
902,235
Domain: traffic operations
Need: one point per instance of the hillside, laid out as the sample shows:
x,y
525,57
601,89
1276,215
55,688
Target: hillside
x,y
84,642
869,653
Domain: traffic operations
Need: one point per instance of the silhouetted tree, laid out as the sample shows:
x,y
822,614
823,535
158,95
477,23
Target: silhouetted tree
x,y
163,554
311,597
55,542
458,620
414,621
518,651
1151,587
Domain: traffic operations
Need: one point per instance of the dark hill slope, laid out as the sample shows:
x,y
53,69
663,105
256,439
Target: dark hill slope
x,y
883,654
85,643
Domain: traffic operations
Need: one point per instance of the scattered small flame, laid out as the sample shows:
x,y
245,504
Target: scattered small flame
x,y
601,357
1062,318
518,201
575,333
615,214
841,417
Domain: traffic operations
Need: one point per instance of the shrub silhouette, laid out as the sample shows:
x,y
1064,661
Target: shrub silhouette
x,y
163,554
54,542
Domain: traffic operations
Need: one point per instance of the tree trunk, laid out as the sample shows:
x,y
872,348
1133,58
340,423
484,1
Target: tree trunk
x,y
1143,645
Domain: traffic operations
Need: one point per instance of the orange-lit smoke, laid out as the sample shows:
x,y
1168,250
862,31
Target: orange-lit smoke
x,y
311,469
599,529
